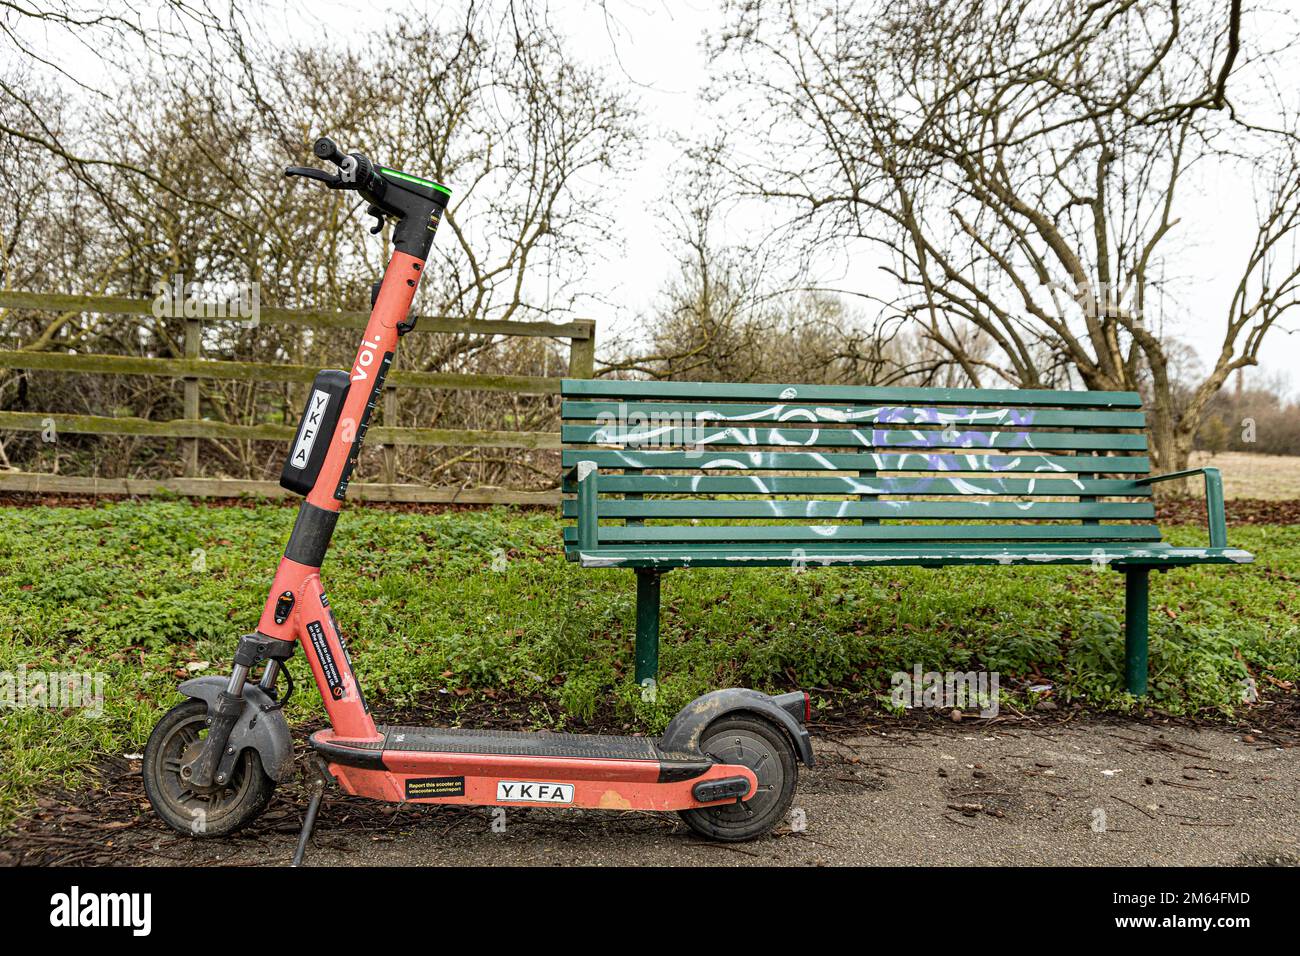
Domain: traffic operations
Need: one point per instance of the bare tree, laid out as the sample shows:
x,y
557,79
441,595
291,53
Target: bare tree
x,y
491,101
1022,164
722,316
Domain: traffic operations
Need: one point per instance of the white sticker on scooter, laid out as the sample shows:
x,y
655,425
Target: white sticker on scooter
x,y
310,427
519,791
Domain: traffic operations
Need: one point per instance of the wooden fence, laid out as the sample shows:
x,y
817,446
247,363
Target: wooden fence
x,y
193,369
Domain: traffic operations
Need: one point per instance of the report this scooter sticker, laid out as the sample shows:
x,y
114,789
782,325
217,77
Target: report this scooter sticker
x,y
327,664
519,791
422,788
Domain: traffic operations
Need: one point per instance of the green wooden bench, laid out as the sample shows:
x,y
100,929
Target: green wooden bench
x,y
666,475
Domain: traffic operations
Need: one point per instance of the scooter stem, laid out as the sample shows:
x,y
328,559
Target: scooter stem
x,y
374,356
297,608
297,583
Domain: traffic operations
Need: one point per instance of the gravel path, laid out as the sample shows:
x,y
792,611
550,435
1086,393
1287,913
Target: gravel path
x,y
1093,793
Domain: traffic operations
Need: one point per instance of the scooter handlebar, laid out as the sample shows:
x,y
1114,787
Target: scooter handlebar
x,y
355,170
416,207
326,148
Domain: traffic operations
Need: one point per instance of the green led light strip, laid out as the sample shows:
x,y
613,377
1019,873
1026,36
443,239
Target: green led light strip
x,y
416,179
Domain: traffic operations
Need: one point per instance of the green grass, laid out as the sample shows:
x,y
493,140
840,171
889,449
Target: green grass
x,y
456,608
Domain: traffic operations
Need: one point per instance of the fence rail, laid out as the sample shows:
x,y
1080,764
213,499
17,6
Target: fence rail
x,y
194,369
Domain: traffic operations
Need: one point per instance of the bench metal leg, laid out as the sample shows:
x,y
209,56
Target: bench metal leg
x,y
1136,614
647,626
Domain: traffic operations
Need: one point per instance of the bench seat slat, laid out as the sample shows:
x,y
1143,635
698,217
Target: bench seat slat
x,y
897,415
711,436
824,534
859,461
958,510
705,391
924,555
721,484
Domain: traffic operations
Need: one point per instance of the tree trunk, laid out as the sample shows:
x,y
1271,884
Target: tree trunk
x,y
1171,450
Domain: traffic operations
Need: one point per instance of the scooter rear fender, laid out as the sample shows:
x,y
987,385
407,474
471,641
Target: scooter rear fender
x,y
686,730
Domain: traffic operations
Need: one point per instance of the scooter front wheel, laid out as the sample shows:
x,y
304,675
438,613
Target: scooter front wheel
x,y
754,743
207,812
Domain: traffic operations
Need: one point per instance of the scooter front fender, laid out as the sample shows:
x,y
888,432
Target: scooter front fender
x,y
686,730
266,731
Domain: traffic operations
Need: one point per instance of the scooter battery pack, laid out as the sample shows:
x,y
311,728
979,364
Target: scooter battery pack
x,y
315,429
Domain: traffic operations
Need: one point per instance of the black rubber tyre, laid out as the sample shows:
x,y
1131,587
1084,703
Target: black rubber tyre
x,y
212,813
763,748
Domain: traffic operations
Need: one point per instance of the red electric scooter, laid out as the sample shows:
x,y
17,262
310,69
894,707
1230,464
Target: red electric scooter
x,y
727,762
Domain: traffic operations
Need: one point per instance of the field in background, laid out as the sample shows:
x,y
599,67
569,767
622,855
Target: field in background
x,y
1247,475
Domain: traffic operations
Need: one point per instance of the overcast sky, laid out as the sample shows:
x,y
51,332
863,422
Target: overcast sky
x,y
654,48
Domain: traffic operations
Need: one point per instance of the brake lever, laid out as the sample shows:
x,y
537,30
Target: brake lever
x,y
307,172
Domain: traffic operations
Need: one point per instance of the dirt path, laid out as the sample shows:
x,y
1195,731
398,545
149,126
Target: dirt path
x,y
1090,793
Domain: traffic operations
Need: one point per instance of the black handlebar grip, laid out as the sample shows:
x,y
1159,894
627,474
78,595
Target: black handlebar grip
x,y
326,148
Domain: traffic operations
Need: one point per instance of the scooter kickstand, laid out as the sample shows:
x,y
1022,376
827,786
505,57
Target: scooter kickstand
x,y
310,821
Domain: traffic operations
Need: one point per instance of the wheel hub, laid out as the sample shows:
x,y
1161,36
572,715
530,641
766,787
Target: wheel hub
x,y
746,750
190,746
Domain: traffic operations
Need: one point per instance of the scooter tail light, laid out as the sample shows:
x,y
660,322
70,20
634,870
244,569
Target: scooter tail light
x,y
807,708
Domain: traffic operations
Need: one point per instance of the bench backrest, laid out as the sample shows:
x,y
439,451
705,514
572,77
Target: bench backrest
x,y
705,462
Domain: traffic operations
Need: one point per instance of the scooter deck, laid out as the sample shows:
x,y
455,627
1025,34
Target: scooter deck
x,y
504,767
452,740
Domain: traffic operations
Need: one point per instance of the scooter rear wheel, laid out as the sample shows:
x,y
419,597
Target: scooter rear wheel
x,y
210,812
754,743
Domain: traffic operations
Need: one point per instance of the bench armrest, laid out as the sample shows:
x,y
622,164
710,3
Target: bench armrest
x,y
586,474
1214,512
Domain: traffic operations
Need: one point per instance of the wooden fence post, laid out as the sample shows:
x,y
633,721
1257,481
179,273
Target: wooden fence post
x,y
582,352
193,349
